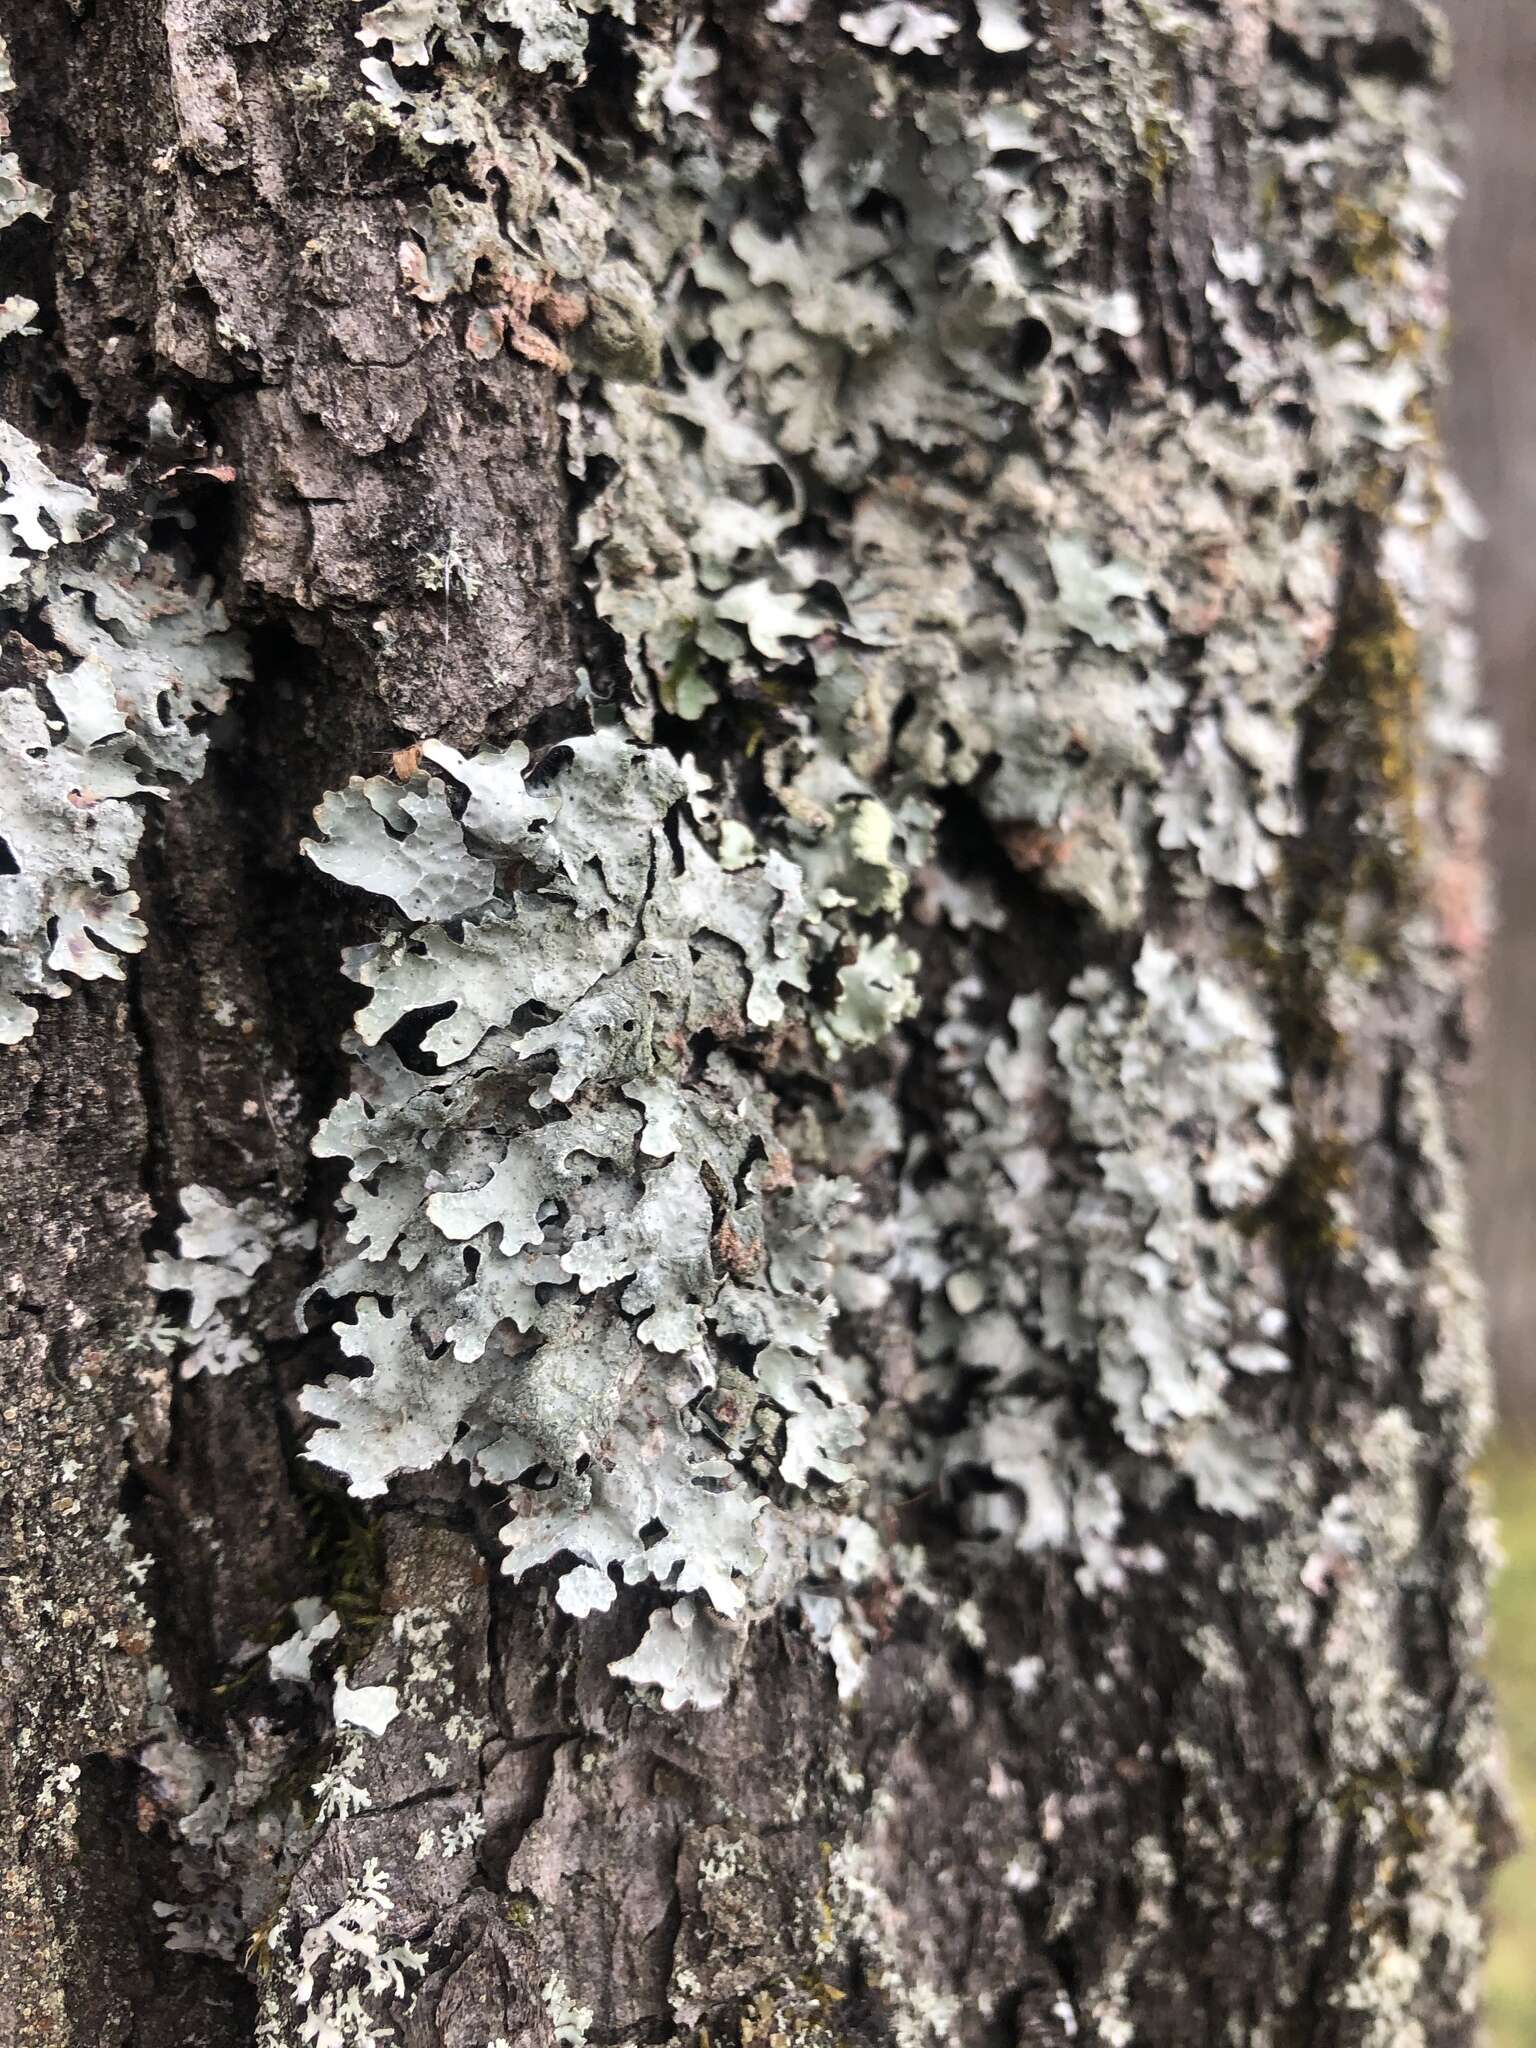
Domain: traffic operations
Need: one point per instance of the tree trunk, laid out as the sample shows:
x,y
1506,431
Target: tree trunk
x,y
995,447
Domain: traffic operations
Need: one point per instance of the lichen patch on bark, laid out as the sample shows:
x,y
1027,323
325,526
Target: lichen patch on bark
x,y
973,471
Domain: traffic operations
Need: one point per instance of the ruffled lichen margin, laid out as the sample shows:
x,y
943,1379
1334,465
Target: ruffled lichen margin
x,y
923,1079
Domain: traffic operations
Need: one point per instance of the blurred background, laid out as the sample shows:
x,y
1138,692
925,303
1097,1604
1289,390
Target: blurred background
x,y
1491,420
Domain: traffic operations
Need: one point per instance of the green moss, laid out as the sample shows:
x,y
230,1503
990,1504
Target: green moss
x,y
1303,1211
1367,761
1352,881
345,1552
1366,250
1368,245
1387,1793
1379,660
1355,874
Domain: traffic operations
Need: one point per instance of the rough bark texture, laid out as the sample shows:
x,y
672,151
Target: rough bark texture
x,y
1218,1772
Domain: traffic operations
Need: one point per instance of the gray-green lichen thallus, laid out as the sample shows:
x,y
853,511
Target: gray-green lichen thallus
x,y
942,1028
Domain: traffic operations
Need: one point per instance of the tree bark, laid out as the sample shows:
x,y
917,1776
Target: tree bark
x,y
1152,1713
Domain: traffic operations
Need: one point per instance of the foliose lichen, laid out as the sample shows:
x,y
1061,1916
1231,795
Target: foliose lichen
x,y
19,197
135,653
220,1249
1059,1245
575,1245
137,650
878,491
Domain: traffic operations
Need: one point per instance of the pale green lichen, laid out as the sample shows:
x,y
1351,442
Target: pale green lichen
x,y
221,1247
567,1211
841,345
333,1951
545,32
232,1858
19,196
348,1960
569,2020
291,1661
685,1654
144,653
1426,1862
138,652
901,26
1075,1245
880,489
